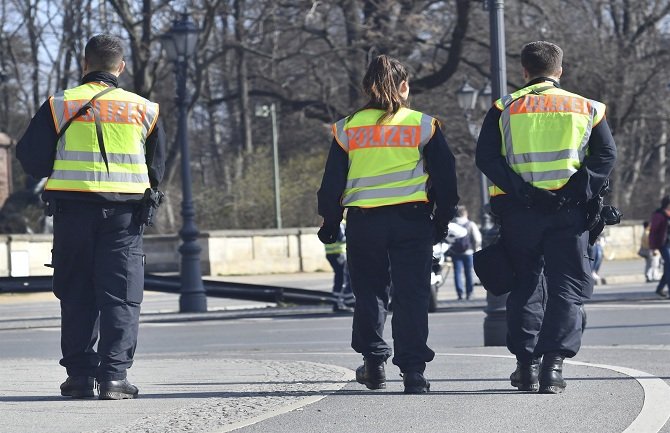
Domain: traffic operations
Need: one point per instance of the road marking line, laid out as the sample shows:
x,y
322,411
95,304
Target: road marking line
x,y
652,417
654,413
347,376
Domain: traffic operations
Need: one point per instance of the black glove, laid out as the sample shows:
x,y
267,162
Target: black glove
x,y
544,200
610,215
328,232
441,227
440,232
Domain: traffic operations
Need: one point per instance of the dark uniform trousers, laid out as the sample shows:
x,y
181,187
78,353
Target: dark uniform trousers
x,y
399,237
544,314
99,278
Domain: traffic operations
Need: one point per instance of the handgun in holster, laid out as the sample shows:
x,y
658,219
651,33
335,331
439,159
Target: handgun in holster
x,y
149,206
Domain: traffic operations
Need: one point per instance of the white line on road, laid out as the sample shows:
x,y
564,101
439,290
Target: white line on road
x,y
654,413
652,417
347,376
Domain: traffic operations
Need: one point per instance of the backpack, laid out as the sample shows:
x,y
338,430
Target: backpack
x,y
461,245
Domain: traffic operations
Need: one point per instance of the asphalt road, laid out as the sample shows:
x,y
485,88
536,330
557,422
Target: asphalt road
x,y
470,388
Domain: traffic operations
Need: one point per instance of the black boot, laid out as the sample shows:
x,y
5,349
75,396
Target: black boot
x,y
525,377
551,374
116,390
371,374
415,383
77,387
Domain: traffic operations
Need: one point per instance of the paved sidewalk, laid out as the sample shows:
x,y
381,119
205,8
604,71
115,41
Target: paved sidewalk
x,y
176,395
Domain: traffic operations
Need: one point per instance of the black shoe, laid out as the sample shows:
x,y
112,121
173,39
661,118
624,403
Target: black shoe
x,y
660,292
551,374
116,390
525,377
78,387
415,383
371,374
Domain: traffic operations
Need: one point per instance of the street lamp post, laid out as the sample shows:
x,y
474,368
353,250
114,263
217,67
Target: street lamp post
x,y
495,322
471,99
180,43
265,111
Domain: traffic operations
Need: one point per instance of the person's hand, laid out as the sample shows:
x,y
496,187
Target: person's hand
x,y
328,232
441,223
545,201
655,252
440,231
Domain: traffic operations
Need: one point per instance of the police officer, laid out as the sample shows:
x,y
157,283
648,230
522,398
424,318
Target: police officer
x,y
336,254
547,152
99,159
389,166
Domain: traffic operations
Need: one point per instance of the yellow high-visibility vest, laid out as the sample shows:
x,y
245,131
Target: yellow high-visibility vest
x,y
545,132
386,164
127,120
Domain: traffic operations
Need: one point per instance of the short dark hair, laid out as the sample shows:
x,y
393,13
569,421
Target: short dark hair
x,y
665,201
103,53
541,58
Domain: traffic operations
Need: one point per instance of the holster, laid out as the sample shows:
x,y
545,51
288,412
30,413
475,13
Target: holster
x,y
593,209
149,206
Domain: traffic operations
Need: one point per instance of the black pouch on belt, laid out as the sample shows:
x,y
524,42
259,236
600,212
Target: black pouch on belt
x,y
494,269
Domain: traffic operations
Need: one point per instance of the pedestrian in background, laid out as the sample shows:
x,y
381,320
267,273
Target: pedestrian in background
x,y
461,251
652,258
336,254
597,255
546,151
390,166
658,240
102,149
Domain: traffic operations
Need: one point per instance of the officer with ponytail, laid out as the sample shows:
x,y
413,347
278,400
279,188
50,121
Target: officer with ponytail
x,y
390,167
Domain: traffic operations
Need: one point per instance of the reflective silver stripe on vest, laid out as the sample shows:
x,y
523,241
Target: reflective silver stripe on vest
x,y
507,133
341,134
399,176
547,175
426,131
522,158
384,193
98,176
587,133
113,158
58,101
506,100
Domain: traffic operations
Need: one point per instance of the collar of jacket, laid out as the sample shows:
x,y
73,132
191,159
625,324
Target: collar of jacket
x,y
539,80
101,76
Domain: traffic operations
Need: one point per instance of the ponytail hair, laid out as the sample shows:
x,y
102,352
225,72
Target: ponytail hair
x,y
381,83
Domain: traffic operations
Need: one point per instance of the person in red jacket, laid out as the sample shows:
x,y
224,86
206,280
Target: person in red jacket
x,y
658,240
